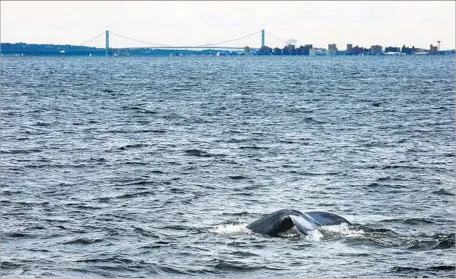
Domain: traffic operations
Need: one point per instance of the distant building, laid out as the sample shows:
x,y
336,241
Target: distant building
x,y
303,50
264,51
277,51
376,50
317,52
391,49
300,50
246,50
332,49
307,49
408,50
349,50
313,52
291,49
433,50
360,51
421,51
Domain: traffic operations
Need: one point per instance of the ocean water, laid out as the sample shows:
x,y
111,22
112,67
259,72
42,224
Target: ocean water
x,y
153,167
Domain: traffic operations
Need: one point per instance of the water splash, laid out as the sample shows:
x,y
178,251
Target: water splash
x,y
342,229
314,236
230,229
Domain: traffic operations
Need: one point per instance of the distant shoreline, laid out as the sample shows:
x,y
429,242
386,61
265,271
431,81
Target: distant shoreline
x,y
24,49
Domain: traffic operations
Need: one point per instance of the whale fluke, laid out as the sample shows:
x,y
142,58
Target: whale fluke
x,y
280,221
326,218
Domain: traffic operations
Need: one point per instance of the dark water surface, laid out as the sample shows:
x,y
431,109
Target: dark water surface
x,y
133,167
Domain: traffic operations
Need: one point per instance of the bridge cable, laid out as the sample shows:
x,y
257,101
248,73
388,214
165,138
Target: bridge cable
x,y
139,41
93,38
274,36
228,41
204,45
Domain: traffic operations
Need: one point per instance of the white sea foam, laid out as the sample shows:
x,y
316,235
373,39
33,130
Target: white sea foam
x,y
230,229
342,229
314,235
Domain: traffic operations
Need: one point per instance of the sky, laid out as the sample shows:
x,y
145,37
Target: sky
x,y
184,23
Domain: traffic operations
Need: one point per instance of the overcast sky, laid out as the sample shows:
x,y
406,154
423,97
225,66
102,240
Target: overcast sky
x,y
417,23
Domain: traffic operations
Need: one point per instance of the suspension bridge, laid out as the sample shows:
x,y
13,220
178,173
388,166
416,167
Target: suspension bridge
x,y
222,45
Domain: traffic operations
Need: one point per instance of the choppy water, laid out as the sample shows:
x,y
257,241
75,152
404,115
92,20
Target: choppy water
x,y
133,167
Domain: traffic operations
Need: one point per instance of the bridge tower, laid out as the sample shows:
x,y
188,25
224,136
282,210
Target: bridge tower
x,y
262,38
107,43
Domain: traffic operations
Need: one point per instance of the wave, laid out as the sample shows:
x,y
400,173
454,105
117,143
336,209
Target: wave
x,y
19,235
255,147
443,192
242,213
144,232
186,270
409,221
136,182
313,120
409,269
139,109
20,151
156,131
238,177
433,244
134,195
313,173
176,228
10,193
173,270
83,241
401,167
6,265
234,266
136,145
390,239
136,163
201,153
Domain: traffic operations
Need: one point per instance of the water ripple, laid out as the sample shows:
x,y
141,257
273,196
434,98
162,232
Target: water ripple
x,y
153,167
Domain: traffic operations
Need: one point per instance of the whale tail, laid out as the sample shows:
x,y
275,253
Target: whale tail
x,y
302,223
272,224
280,221
325,218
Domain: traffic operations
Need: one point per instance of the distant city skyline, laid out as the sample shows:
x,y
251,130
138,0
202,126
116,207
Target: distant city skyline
x,y
416,24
